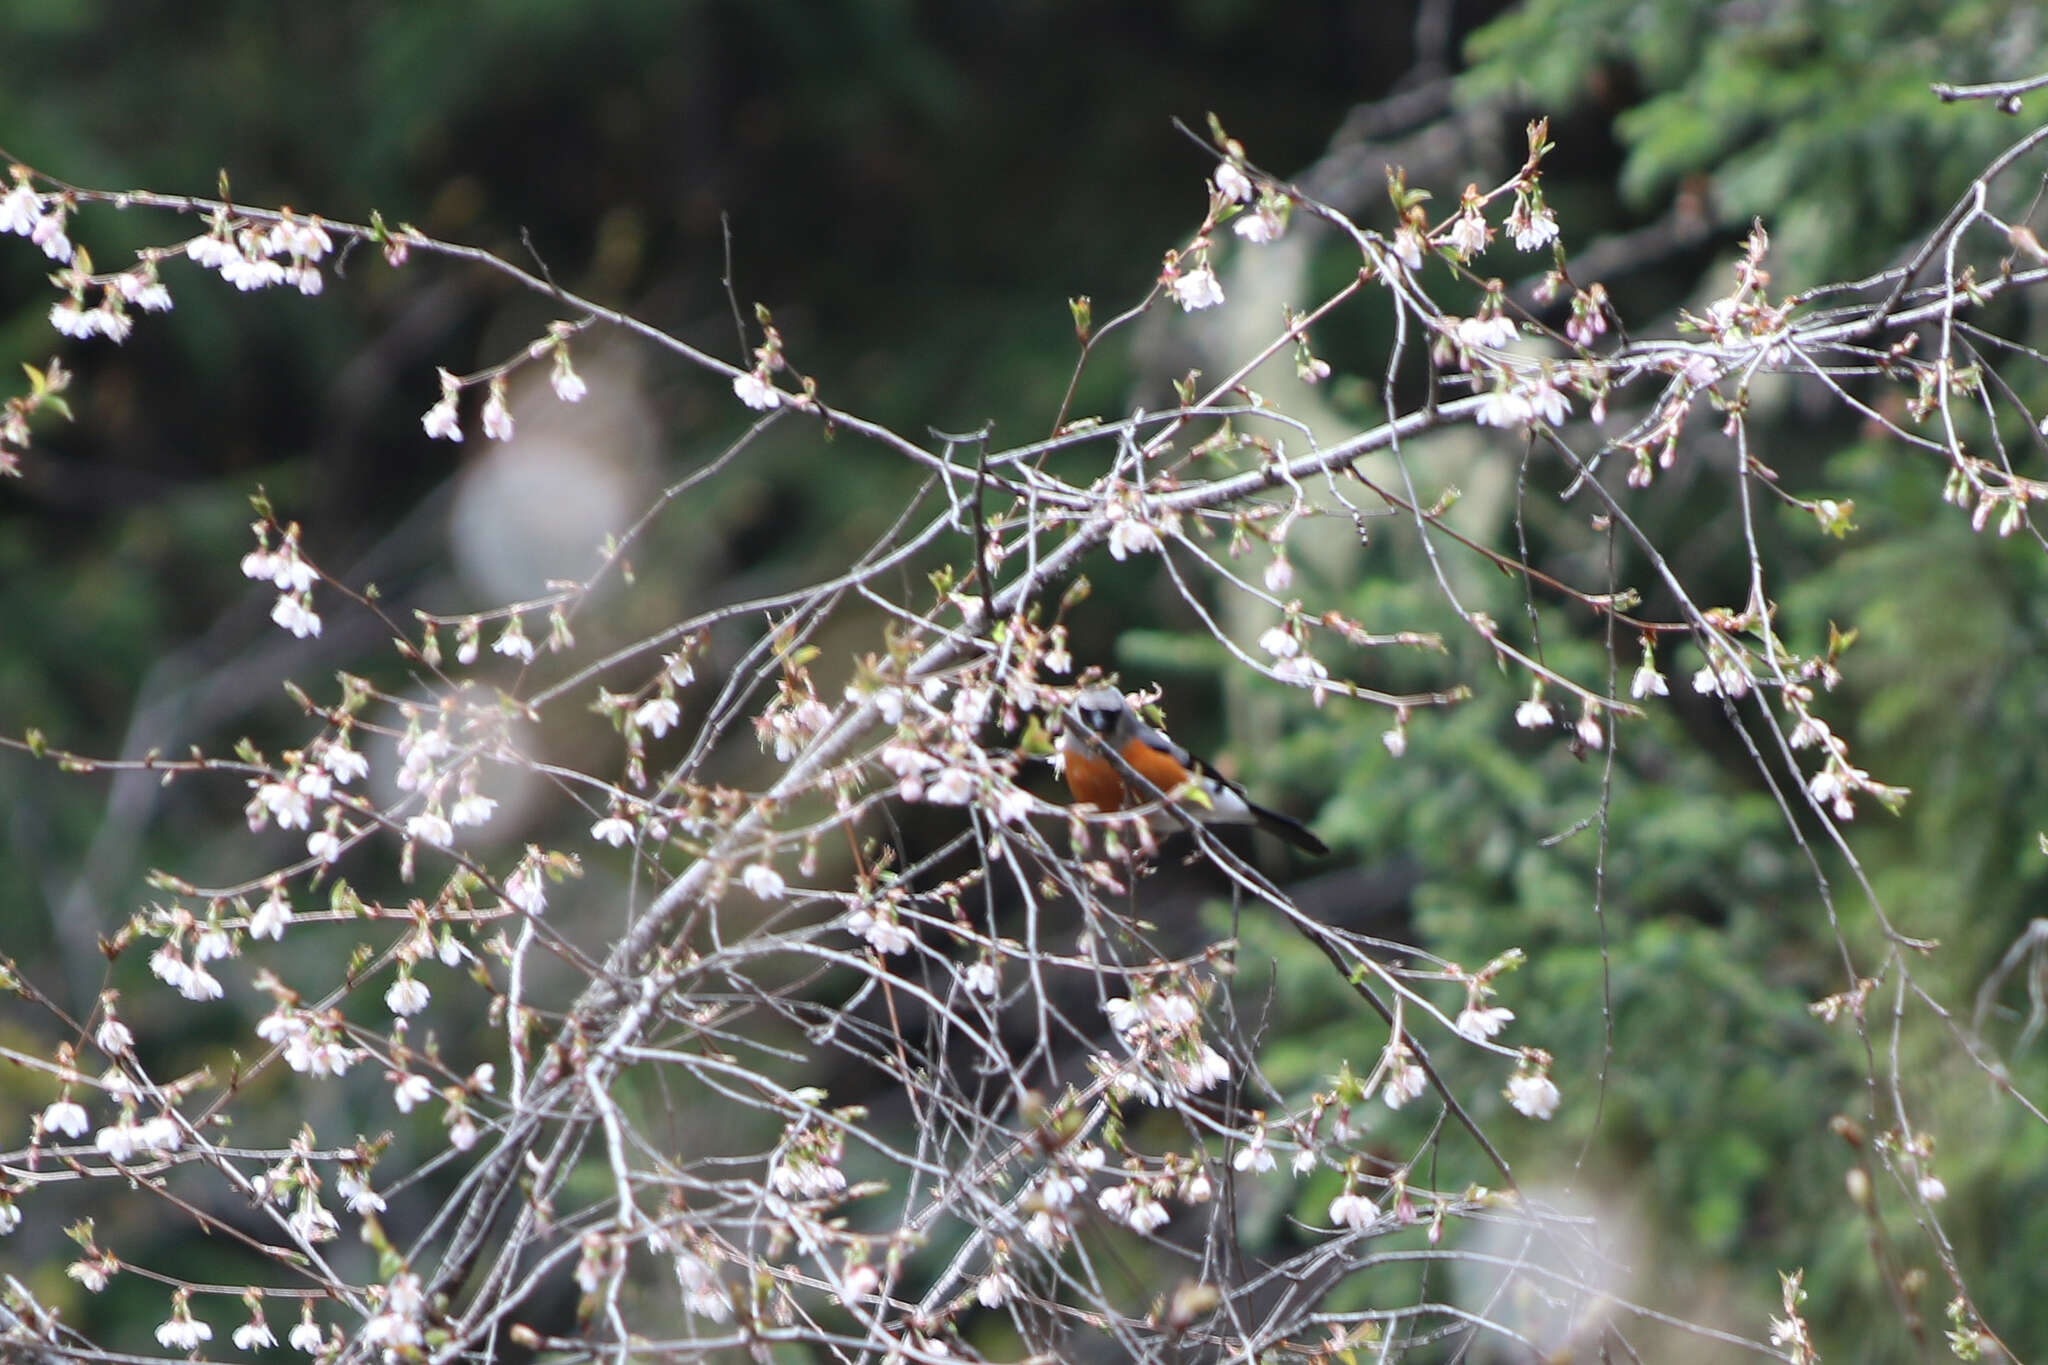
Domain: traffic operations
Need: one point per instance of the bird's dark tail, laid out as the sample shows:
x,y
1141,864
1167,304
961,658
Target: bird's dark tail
x,y
1292,830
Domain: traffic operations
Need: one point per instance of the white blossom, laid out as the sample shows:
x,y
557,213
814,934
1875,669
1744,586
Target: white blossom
x,y
1408,246
294,612
1280,642
253,1336
568,385
69,317
1533,229
1405,1080
1129,536
527,888
1493,331
48,233
884,933
182,1332
471,809
512,642
67,1118
996,1288
442,421
355,1191
120,1140
1547,402
753,389
20,210
411,1092
1533,1094
1147,1215
1479,1024
306,1336
430,827
1197,289
1352,1210
408,995
1502,407
144,292
658,715
952,787
1253,1155
1014,805
1260,226
113,1037
497,417
1468,232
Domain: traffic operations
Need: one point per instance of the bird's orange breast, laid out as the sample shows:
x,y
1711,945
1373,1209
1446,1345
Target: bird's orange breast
x,y
1162,770
1098,782
1095,781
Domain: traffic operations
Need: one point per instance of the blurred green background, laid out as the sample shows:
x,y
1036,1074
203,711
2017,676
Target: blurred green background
x,y
917,190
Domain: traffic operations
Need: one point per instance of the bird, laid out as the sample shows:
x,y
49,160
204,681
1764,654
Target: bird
x,y
1105,719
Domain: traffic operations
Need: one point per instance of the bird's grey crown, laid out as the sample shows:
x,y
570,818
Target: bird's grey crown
x,y
1099,707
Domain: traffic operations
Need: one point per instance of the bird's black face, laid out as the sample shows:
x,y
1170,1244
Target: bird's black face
x,y
1098,719
1099,709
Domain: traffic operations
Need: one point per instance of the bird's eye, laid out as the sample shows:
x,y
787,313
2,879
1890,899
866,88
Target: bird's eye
x,y
1098,721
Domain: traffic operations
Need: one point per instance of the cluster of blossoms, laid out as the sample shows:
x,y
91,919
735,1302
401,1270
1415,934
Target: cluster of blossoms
x,y
1536,714
880,925
287,799
313,1044
1136,1205
125,1138
41,219
110,318
937,755
1398,1076
398,1327
1292,663
793,718
421,769
1136,525
443,421
808,1167
1970,479
695,1260
1530,222
1521,401
293,577
1049,1225
1161,1030
257,256
191,979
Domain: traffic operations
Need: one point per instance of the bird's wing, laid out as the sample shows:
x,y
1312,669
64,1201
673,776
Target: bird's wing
x,y
1154,739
